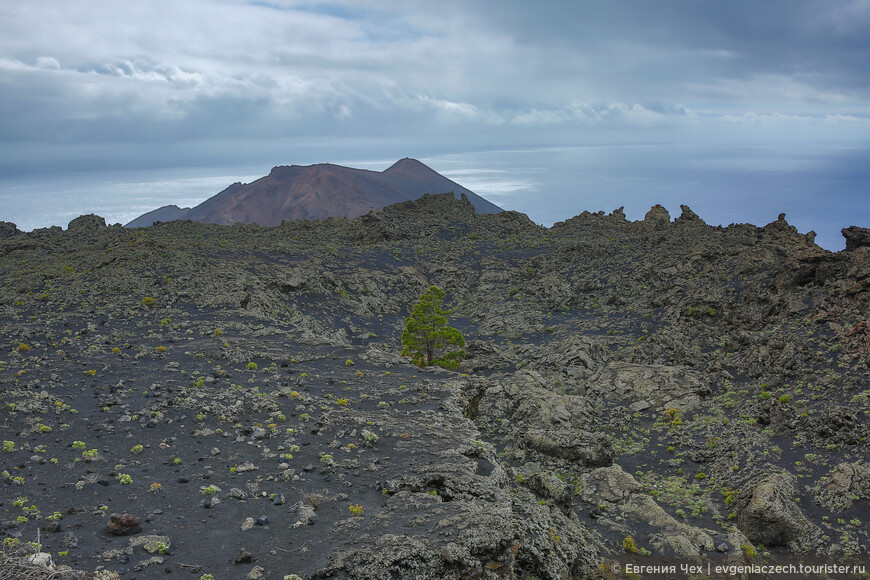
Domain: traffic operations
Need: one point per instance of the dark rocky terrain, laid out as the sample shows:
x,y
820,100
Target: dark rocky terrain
x,y
633,390
315,192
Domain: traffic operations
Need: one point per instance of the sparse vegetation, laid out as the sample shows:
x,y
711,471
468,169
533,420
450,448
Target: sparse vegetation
x,y
662,354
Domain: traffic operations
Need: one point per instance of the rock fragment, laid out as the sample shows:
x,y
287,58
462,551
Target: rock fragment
x,y
124,524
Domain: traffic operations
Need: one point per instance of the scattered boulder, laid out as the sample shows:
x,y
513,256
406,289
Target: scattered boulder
x,y
42,559
151,543
124,524
86,223
657,217
609,484
769,515
377,356
69,540
590,449
306,516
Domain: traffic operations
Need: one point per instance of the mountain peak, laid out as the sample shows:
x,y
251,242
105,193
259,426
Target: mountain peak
x,y
292,192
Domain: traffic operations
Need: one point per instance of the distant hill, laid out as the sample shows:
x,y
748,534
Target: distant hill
x,y
316,192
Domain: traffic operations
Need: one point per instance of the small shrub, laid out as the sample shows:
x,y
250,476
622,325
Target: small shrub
x,y
356,510
90,372
674,416
629,545
23,347
251,366
148,302
8,446
137,449
124,479
370,437
349,362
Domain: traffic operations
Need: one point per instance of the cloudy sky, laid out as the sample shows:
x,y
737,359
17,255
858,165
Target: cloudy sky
x,y
741,109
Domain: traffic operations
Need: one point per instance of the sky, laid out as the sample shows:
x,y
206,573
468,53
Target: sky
x,y
740,109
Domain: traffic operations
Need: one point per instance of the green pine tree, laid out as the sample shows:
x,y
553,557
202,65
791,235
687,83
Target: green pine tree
x,y
427,335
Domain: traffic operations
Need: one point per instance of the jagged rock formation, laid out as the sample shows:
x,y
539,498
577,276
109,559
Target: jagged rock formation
x,y
660,386
856,238
8,229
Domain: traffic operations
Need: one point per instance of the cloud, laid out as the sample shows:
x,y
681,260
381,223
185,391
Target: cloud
x,y
477,74
600,114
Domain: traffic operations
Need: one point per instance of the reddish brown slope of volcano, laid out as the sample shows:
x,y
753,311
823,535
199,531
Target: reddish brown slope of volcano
x,y
320,191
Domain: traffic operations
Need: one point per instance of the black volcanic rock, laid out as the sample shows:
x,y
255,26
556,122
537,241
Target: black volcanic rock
x,y
856,237
665,386
8,229
316,192
87,223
